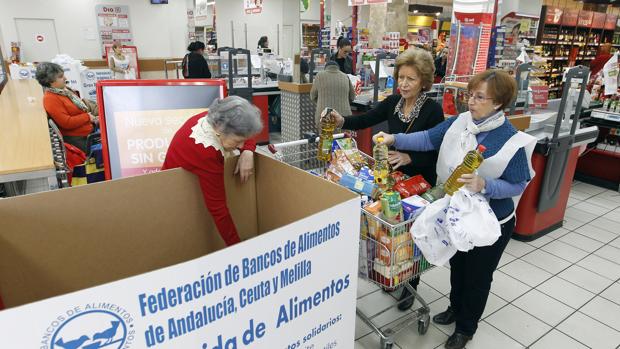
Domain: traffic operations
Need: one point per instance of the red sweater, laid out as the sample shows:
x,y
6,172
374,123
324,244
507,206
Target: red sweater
x,y
71,120
208,165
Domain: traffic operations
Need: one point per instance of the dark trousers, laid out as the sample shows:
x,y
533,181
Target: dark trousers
x,y
471,274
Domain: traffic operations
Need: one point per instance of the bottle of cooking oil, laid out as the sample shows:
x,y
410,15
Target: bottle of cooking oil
x,y
328,125
473,159
381,170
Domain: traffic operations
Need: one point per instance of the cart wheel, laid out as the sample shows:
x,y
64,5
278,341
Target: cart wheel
x,y
388,345
423,325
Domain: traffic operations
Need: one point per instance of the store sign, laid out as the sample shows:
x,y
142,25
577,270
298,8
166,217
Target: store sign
x,y
253,6
585,19
553,15
113,25
281,289
598,20
570,17
610,22
540,96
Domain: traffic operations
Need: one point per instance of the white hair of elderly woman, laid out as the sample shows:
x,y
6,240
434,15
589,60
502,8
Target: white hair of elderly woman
x,y
235,115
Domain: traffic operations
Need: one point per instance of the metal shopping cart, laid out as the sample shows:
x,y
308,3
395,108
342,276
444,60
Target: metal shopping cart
x,y
388,256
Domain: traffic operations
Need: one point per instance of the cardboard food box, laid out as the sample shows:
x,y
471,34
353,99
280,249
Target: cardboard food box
x,y
138,263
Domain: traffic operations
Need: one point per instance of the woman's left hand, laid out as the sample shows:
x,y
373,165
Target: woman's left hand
x,y
245,165
398,159
473,182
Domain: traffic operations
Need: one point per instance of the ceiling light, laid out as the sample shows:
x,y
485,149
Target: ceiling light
x,y
437,14
415,11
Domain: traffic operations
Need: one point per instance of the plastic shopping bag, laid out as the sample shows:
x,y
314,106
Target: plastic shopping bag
x,y
470,221
429,233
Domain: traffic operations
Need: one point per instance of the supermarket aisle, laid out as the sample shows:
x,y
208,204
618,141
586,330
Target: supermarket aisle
x,y
560,291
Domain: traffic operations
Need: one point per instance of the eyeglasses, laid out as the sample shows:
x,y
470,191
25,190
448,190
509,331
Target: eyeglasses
x,y
478,98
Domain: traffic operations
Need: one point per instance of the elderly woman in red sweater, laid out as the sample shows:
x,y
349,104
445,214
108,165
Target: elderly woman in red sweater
x,y
205,140
73,116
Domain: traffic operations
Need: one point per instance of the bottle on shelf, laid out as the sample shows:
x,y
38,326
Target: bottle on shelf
x,y
473,159
328,125
389,85
381,170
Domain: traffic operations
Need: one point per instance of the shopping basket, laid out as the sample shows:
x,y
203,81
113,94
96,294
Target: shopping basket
x,y
388,256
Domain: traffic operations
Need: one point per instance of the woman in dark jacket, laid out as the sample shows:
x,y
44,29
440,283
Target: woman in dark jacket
x,y
194,63
411,111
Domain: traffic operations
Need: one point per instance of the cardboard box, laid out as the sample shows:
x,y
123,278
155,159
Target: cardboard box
x,y
520,122
99,251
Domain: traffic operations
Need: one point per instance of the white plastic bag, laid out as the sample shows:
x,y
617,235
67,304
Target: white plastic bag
x,y
429,233
470,221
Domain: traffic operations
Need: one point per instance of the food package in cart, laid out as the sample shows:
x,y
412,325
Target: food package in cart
x,y
415,185
375,228
399,246
413,206
366,174
359,186
342,144
342,163
398,176
392,275
355,158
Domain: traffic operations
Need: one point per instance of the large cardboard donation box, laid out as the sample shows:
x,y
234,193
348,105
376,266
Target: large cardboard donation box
x,y
138,263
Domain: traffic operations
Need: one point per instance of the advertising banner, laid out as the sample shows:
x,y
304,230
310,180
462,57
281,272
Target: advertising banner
x,y
139,118
113,25
252,6
143,137
129,51
282,289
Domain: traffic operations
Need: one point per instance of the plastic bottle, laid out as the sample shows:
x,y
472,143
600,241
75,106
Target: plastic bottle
x,y
389,85
381,170
473,159
434,194
328,125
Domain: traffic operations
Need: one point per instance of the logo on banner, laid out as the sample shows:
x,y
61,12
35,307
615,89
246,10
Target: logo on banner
x,y
24,73
93,326
40,38
91,76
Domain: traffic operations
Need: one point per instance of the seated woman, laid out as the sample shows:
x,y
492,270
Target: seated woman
x,y
73,116
204,141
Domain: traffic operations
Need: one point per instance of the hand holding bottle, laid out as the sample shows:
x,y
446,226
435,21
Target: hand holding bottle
x,y
473,182
333,116
388,139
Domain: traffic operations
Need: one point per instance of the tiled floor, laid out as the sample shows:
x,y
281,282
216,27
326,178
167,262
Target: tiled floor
x,y
561,291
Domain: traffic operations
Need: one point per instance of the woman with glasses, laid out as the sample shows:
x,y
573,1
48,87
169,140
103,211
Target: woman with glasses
x,y
502,176
409,111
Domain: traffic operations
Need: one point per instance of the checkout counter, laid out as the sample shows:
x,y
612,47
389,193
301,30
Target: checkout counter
x,y
248,76
561,141
26,163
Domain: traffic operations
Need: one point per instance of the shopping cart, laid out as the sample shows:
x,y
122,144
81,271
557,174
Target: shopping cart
x,y
388,256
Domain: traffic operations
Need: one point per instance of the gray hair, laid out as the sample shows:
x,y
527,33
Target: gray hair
x,y
48,72
235,115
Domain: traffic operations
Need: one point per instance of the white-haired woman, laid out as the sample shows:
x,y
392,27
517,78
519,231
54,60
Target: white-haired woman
x,y
205,140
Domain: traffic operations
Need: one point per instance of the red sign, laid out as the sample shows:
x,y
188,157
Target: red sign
x,y
598,20
553,15
585,18
540,96
474,18
570,17
610,22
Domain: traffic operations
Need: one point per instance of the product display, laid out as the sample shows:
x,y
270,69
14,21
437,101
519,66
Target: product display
x,y
328,125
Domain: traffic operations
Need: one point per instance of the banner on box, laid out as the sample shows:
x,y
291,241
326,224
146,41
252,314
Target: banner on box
x,y
143,137
278,290
113,25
